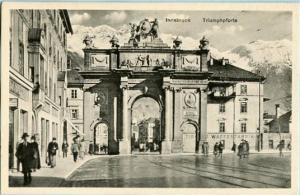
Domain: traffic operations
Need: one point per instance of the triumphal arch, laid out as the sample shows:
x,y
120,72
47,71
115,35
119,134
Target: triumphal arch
x,y
145,96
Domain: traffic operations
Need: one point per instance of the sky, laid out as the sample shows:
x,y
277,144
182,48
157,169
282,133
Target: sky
x,y
250,25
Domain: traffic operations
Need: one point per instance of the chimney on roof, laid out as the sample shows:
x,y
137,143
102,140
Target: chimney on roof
x,y
211,61
277,110
224,61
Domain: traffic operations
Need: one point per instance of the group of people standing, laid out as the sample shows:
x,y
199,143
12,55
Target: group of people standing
x,y
218,149
28,154
243,149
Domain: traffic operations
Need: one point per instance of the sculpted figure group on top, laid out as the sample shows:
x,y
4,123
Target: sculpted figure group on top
x,y
144,30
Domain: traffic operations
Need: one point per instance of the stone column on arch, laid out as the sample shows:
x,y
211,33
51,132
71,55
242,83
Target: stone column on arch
x,y
203,116
125,146
167,142
88,103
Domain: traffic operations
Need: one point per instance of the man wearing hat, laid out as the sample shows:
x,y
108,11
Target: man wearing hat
x,y
25,155
52,148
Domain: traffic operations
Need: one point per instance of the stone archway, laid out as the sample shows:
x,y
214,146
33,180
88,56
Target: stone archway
x,y
145,125
101,138
189,137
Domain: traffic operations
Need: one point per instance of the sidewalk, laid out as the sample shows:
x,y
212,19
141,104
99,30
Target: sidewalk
x,y
64,168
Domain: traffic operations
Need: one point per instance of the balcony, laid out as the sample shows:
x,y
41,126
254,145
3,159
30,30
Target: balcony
x,y
221,92
36,36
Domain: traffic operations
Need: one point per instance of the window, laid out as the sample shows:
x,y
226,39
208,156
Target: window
x,y
74,114
45,29
46,82
283,143
74,93
59,100
271,144
42,75
222,127
222,108
57,61
244,89
243,127
222,91
21,58
31,73
21,47
243,107
61,65
23,121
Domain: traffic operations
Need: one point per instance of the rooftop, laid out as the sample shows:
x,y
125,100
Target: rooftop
x,y
229,72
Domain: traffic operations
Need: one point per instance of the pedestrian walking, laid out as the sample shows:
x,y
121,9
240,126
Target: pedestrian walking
x,y
247,148
244,149
280,147
75,149
205,148
25,155
64,148
240,150
289,147
216,149
18,160
221,148
36,162
82,149
52,148
233,147
91,148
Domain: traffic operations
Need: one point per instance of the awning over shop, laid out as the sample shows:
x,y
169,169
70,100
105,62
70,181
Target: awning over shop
x,y
74,127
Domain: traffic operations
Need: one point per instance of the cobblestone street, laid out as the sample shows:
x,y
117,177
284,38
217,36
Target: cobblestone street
x,y
258,171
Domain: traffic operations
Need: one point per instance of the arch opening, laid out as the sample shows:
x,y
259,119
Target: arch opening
x,y
145,125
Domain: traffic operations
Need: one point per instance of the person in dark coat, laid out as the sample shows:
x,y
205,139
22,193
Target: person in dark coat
x,y
64,148
280,147
247,148
221,148
240,150
244,149
52,148
36,162
25,155
75,149
216,149
233,147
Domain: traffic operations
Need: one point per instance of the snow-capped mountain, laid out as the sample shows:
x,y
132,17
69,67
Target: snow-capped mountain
x,y
271,59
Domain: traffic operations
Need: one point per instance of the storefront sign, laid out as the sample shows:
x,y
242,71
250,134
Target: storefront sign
x,y
13,102
18,90
228,136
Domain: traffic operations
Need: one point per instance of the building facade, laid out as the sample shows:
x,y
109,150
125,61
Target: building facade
x,y
192,97
38,52
74,95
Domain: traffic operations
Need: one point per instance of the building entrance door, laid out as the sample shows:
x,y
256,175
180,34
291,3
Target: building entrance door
x,y
145,126
189,138
101,139
12,143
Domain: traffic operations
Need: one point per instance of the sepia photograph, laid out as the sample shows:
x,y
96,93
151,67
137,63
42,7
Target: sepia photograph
x,y
138,97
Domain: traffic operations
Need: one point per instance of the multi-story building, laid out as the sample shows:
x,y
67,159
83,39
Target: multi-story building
x,y
277,128
38,52
74,95
234,105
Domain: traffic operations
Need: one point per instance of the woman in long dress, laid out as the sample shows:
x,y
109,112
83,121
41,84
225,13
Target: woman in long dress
x,y
36,162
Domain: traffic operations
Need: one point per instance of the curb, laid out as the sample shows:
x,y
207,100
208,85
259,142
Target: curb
x,y
78,166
